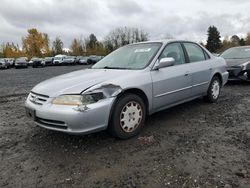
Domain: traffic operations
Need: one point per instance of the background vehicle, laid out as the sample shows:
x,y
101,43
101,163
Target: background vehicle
x,y
69,60
123,88
48,61
83,60
10,61
21,63
58,59
38,62
4,63
93,59
238,62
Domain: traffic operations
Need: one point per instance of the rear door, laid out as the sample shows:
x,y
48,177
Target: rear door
x,y
200,68
171,84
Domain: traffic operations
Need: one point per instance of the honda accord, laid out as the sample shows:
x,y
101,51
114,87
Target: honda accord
x,y
119,91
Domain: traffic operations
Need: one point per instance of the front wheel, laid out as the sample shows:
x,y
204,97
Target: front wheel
x,y
128,116
213,91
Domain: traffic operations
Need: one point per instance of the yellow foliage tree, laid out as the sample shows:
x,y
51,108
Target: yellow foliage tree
x,y
12,51
35,43
77,47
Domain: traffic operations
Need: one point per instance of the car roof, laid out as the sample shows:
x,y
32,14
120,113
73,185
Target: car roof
x,y
240,47
164,41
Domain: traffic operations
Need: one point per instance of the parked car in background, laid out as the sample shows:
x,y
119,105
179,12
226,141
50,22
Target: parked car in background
x,y
123,88
21,62
4,64
48,61
78,59
93,59
83,60
69,60
38,62
10,61
238,62
30,63
58,59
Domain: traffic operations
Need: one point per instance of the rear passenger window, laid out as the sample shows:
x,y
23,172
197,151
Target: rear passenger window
x,y
195,53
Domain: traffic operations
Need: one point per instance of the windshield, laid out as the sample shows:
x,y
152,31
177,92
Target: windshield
x,y
136,56
236,53
20,60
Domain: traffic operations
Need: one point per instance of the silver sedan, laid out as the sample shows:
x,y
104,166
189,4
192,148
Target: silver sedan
x,y
123,88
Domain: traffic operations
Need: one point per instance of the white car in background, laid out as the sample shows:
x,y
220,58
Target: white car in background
x,y
58,60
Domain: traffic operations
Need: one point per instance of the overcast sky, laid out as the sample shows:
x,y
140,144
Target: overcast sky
x,y
160,18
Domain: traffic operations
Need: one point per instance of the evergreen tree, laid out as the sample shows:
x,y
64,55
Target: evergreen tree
x,y
242,42
213,41
57,46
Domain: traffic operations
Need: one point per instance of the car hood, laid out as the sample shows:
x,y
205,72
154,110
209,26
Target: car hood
x,y
235,62
78,81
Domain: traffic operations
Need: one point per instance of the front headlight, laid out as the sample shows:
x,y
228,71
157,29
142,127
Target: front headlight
x,y
244,65
78,100
72,100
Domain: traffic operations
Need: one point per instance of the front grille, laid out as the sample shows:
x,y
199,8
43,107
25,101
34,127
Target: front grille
x,y
38,98
52,123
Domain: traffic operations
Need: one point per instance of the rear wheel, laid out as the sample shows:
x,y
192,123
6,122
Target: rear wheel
x,y
128,117
213,91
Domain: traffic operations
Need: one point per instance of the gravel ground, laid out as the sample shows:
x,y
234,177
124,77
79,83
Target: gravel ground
x,y
195,144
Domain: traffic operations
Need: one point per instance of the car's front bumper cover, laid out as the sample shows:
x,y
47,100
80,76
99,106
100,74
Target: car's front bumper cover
x,y
67,119
237,73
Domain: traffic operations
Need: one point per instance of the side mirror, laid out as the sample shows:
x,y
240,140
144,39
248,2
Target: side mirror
x,y
164,62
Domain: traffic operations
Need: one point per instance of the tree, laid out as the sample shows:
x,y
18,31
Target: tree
x,y
122,36
247,41
93,46
10,50
242,42
213,41
47,44
77,47
235,40
34,44
57,47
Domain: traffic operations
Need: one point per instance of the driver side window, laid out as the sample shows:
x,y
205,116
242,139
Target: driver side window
x,y
175,51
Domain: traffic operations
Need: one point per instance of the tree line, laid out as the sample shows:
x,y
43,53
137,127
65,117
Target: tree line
x,y
216,45
38,44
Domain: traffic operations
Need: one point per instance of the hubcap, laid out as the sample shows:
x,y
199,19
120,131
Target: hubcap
x,y
215,89
131,116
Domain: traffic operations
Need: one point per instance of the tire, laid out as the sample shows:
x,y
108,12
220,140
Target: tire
x,y
128,117
213,91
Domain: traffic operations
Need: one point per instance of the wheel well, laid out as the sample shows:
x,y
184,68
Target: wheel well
x,y
138,92
219,76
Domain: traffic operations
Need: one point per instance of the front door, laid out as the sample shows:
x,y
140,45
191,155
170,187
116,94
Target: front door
x,y
171,84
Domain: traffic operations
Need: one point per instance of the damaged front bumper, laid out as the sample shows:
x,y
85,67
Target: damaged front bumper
x,y
93,118
237,73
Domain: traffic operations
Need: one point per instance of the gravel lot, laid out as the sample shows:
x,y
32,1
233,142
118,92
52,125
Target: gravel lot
x,y
192,145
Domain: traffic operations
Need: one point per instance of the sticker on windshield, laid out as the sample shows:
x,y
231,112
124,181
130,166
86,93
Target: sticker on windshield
x,y
142,50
